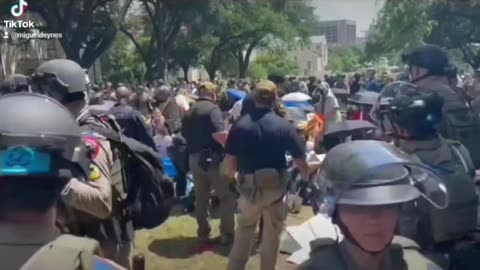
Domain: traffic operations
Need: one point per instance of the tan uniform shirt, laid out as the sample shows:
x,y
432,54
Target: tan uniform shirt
x,y
95,196
19,242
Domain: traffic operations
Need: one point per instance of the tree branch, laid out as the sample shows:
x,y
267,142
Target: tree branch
x,y
135,43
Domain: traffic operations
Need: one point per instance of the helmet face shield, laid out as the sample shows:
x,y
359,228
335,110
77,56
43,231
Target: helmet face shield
x,y
377,173
431,187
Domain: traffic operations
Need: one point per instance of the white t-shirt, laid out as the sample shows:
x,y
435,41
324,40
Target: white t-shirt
x,y
236,110
182,102
332,111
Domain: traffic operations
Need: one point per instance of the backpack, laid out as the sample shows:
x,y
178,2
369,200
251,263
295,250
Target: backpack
x,y
67,252
459,122
138,176
460,216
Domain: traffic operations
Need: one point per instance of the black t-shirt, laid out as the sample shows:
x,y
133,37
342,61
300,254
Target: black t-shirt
x,y
261,139
202,120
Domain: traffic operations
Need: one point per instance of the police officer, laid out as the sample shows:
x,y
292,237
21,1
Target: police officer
x,y
38,159
365,184
65,81
204,130
411,117
130,120
256,148
248,103
430,68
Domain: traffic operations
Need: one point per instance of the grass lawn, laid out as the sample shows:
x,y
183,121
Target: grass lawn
x,y
173,246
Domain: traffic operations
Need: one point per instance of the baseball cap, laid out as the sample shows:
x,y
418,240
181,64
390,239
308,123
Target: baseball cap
x,y
210,87
265,88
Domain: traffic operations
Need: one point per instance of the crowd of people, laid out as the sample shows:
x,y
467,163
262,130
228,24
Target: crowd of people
x,y
83,166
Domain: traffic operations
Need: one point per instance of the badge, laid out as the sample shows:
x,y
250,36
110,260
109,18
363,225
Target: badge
x,y
94,173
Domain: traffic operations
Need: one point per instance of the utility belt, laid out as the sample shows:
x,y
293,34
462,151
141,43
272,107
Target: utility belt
x,y
210,159
117,228
114,229
264,186
265,178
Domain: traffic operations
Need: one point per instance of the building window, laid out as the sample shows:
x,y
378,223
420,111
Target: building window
x,y
309,65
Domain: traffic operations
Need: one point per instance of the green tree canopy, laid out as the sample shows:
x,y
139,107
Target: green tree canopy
x,y
405,24
270,63
88,27
344,59
123,63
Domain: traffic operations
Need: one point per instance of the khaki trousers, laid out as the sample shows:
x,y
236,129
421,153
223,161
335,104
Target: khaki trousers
x,y
274,211
204,182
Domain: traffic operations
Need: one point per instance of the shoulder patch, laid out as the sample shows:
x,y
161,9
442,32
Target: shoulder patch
x,y
95,173
93,143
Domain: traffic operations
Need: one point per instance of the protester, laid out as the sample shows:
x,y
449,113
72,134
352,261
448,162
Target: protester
x,y
165,103
355,84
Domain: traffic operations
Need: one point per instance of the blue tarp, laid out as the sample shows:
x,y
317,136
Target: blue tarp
x,y
169,168
236,94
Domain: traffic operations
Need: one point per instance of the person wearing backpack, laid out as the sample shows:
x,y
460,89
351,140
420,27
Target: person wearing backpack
x,y
429,69
165,103
39,158
90,208
410,117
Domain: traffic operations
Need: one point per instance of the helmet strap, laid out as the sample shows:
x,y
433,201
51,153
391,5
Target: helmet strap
x,y
417,79
348,235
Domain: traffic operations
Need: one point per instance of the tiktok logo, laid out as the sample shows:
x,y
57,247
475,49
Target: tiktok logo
x,y
18,9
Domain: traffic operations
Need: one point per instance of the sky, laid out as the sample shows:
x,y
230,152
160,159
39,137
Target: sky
x,y
361,11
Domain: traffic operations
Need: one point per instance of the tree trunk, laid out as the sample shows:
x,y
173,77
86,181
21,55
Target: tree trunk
x,y
244,59
212,71
243,68
185,69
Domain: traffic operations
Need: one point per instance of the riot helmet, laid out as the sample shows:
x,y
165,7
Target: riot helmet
x,y
33,145
430,57
401,105
62,79
374,173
